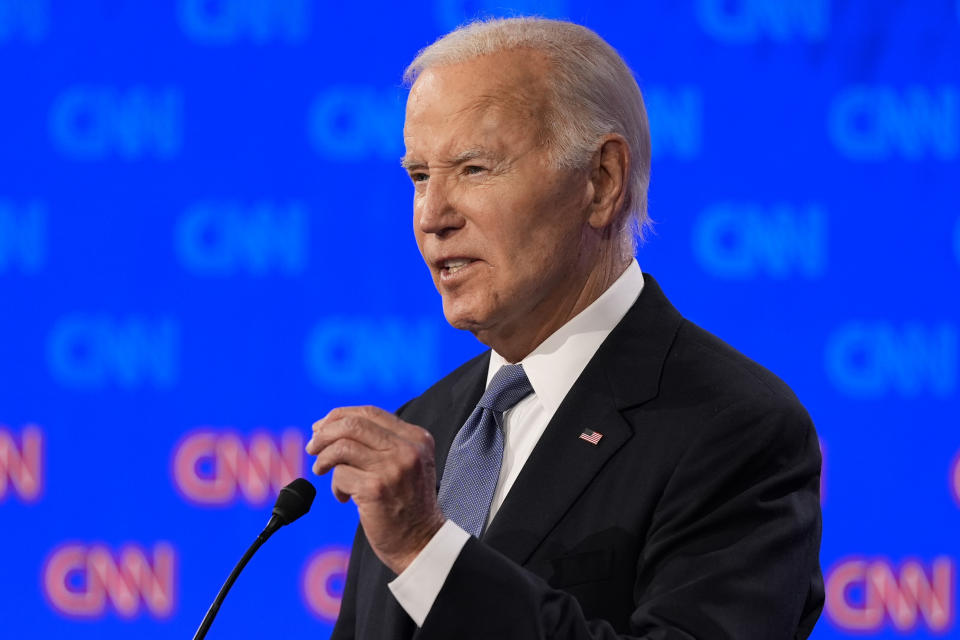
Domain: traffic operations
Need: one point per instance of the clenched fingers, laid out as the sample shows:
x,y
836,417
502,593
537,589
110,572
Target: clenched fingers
x,y
346,482
375,428
345,451
387,467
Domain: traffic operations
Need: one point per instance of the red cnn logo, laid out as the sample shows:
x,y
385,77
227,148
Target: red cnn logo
x,y
82,580
21,468
211,466
867,595
323,579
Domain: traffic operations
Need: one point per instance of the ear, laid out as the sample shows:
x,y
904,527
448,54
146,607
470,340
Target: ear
x,y
609,171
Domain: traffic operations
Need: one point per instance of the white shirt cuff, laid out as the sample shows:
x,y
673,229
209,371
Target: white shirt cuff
x,y
420,583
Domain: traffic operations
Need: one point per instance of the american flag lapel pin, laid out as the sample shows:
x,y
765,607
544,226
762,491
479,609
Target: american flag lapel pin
x,y
593,437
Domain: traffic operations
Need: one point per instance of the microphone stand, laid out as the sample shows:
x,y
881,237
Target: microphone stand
x,y
294,501
268,531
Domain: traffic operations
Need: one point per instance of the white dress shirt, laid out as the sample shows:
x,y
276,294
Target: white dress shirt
x,y
552,368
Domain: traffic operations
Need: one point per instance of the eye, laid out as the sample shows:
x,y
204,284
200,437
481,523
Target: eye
x,y
472,169
418,176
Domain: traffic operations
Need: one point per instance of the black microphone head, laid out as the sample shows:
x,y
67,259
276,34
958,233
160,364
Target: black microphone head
x,y
294,500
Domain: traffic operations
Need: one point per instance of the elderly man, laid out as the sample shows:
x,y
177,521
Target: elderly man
x,y
607,469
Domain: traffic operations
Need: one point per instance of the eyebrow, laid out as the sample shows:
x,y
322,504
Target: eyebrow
x,y
460,158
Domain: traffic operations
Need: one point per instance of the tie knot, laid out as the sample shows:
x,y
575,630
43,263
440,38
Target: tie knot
x,y
508,387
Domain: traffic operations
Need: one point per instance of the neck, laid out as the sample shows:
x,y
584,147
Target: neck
x,y
519,340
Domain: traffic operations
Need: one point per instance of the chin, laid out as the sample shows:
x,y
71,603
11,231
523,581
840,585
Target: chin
x,y
458,321
460,316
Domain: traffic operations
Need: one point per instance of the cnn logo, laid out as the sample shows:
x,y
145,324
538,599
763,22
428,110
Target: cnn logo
x,y
323,580
86,581
21,464
213,467
868,595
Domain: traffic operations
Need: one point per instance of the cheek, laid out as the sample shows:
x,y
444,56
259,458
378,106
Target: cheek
x,y
526,242
418,235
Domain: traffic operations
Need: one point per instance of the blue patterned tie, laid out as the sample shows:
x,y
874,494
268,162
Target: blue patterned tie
x,y
473,464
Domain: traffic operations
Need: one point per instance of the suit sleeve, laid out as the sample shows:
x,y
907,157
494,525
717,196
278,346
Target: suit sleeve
x,y
731,552
345,627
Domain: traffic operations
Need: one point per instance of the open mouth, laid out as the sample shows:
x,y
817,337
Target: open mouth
x,y
449,268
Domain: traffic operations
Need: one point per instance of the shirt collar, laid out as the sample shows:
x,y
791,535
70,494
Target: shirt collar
x,y
558,361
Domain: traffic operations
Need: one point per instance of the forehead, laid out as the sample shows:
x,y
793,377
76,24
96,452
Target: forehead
x,y
488,97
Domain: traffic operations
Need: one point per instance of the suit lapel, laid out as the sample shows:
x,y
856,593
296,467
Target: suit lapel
x,y
558,470
624,373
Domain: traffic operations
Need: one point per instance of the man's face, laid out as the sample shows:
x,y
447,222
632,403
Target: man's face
x,y
500,227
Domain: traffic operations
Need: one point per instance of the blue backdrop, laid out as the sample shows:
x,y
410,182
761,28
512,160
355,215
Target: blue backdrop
x,y
205,244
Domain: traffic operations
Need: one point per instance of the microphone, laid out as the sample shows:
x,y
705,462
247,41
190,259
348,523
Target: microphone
x,y
294,501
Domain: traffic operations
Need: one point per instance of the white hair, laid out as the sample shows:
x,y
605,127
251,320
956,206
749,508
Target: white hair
x,y
592,93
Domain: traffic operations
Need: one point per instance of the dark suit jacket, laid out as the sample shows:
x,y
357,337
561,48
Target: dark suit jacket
x,y
696,516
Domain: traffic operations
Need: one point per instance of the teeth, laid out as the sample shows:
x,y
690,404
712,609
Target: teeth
x,y
455,265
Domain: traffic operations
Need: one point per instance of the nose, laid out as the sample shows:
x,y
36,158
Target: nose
x,y
435,211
